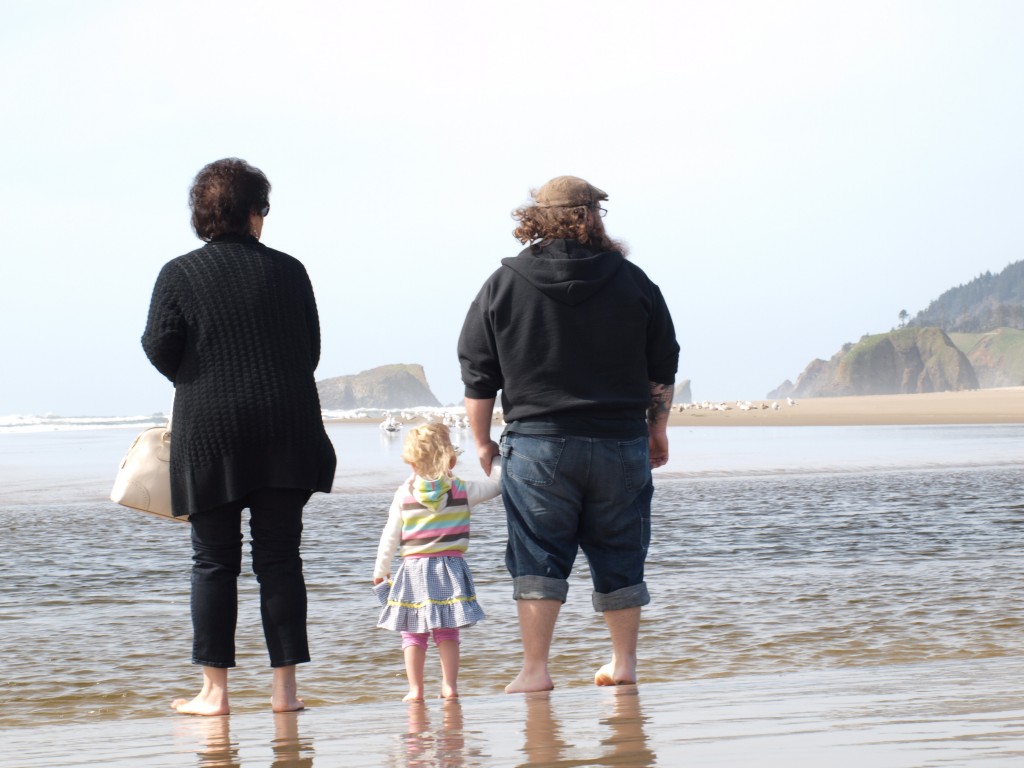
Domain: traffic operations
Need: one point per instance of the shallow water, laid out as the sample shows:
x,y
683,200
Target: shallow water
x,y
775,550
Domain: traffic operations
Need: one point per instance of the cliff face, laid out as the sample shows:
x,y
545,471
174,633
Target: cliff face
x,y
905,361
997,356
388,386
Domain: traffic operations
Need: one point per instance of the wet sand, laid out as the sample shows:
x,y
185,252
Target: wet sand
x,y
926,714
979,406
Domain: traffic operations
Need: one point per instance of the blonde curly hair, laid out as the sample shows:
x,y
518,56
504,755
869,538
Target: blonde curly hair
x,y
429,451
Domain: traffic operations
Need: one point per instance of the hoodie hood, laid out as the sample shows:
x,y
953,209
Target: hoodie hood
x,y
565,270
432,494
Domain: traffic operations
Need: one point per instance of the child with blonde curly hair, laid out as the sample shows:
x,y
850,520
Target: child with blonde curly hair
x,y
428,525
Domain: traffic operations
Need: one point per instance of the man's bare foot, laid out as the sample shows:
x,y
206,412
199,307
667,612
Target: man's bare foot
x,y
530,683
287,704
606,675
200,705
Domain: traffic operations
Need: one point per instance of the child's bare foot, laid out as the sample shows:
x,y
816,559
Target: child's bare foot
x,y
287,704
413,696
448,691
201,705
530,683
607,675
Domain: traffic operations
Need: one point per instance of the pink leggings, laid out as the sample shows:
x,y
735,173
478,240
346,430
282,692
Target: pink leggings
x,y
420,638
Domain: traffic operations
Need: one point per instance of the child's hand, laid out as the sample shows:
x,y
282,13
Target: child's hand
x,y
378,580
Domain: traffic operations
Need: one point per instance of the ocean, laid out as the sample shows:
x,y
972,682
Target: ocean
x,y
775,551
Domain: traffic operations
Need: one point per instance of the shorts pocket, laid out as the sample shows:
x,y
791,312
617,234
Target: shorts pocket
x,y
532,459
636,462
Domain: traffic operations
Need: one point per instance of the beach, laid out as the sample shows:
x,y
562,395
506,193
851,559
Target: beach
x,y
1004,405
977,406
897,717
821,594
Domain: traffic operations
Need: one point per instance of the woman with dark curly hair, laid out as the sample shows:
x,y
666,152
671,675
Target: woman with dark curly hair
x,y
234,326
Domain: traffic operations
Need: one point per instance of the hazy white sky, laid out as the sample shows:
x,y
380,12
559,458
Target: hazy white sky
x,y
792,174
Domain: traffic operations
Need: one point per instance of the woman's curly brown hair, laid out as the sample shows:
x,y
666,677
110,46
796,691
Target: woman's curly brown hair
x,y
538,224
224,195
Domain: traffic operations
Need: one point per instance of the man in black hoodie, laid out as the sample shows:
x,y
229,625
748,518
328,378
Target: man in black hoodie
x,y
580,344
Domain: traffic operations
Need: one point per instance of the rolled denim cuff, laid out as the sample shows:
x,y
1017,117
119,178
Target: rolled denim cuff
x,y
539,588
627,597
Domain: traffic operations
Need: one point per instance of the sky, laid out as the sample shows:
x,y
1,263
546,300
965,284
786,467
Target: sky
x,y
791,174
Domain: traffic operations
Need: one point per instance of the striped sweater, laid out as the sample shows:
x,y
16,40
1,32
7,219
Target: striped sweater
x,y
442,529
415,529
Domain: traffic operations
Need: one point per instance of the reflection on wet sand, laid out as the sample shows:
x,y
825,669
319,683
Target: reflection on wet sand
x,y
542,738
290,751
213,735
626,742
620,733
421,745
216,748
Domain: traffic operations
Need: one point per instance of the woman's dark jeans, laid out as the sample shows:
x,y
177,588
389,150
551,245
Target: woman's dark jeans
x,y
276,527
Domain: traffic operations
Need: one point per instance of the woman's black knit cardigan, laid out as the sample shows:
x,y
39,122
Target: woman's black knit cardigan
x,y
234,326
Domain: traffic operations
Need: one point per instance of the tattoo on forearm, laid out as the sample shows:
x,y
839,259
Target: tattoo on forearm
x,y
661,403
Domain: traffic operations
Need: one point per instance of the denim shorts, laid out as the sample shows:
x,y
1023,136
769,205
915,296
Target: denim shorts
x,y
566,493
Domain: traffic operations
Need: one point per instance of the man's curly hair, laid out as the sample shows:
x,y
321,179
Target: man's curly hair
x,y
537,224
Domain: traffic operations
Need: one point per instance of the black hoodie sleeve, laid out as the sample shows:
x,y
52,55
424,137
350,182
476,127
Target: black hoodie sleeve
x,y
478,354
662,348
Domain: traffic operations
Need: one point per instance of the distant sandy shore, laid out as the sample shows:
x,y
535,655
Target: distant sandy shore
x,y
980,406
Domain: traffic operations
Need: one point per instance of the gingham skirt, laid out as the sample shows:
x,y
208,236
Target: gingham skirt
x,y
430,593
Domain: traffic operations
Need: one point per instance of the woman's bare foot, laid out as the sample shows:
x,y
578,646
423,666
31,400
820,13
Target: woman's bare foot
x,y
293,704
284,696
413,696
212,700
606,675
200,706
525,683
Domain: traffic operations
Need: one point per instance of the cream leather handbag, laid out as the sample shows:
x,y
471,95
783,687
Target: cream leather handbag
x,y
144,479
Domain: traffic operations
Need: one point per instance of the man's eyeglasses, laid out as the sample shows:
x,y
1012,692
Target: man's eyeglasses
x,y
601,211
266,209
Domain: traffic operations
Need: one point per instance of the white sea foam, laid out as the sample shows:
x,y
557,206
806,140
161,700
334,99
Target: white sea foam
x,y
420,411
50,422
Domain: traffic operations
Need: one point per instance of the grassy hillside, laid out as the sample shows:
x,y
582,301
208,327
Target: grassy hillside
x,y
904,361
997,356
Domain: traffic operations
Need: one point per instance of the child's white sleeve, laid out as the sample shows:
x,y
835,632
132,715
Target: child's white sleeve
x,y
479,491
390,538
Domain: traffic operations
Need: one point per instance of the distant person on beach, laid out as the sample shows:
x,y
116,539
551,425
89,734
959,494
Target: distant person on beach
x,y
234,326
428,525
582,348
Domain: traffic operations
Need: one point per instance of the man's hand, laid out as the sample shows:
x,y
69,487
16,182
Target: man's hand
x,y
485,453
479,413
658,444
